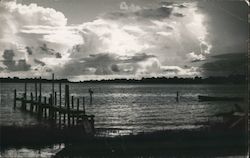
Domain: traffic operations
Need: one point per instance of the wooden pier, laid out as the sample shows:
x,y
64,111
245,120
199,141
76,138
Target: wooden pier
x,y
52,109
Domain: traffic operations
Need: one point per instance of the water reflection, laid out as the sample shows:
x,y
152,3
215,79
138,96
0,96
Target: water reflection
x,y
31,153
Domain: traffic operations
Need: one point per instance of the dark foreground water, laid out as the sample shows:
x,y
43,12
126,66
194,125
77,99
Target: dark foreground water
x,y
134,108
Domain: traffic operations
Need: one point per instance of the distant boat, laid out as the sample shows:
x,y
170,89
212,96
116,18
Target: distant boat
x,y
213,98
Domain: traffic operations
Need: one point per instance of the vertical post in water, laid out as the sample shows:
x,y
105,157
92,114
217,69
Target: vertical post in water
x,y
40,89
53,89
25,90
177,96
60,94
35,89
14,98
72,102
45,109
72,106
90,95
55,96
67,102
83,104
31,102
50,106
77,109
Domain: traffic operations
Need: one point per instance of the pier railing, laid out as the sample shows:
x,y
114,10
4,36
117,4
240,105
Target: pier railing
x,y
51,108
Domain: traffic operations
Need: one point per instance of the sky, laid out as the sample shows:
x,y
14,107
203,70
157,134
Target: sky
x,y
93,39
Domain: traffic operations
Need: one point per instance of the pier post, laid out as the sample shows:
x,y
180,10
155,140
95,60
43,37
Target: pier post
x,y
83,104
90,95
92,122
25,96
44,109
51,111
25,90
15,99
72,106
31,102
40,96
36,89
60,94
53,89
72,102
77,109
64,119
23,106
177,96
55,100
67,102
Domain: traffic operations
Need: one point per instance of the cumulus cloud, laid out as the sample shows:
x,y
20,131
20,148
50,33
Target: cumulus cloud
x,y
195,57
107,65
135,40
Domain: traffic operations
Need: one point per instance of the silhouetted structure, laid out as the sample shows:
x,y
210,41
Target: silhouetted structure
x,y
48,109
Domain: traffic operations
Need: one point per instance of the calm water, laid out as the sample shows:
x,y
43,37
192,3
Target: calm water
x,y
131,108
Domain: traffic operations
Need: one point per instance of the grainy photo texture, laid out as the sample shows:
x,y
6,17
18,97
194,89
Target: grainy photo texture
x,y
124,78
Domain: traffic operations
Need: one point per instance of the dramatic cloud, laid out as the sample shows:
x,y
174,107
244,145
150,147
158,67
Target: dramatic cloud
x,y
163,39
127,66
226,64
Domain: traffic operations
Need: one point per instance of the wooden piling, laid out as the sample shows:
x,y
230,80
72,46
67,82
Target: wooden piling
x,y
53,90
31,102
36,90
77,109
23,106
72,102
15,99
25,90
83,104
72,107
67,102
60,94
55,99
90,96
177,96
50,104
51,110
40,89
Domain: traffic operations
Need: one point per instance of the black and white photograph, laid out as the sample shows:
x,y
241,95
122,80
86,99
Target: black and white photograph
x,y
124,78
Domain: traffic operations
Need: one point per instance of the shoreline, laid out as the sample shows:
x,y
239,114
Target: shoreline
x,y
212,141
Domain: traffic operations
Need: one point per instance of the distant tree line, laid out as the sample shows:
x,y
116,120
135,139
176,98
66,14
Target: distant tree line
x,y
30,80
231,79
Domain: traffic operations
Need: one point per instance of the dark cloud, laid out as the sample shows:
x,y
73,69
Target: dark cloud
x,y
226,64
178,14
158,13
115,68
166,3
29,50
107,64
227,25
39,62
58,55
182,6
13,65
148,13
138,57
21,65
44,49
8,61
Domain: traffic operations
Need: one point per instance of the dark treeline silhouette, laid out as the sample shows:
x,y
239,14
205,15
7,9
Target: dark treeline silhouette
x,y
231,79
30,80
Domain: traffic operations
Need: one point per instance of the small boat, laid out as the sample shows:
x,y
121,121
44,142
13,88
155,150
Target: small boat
x,y
213,98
